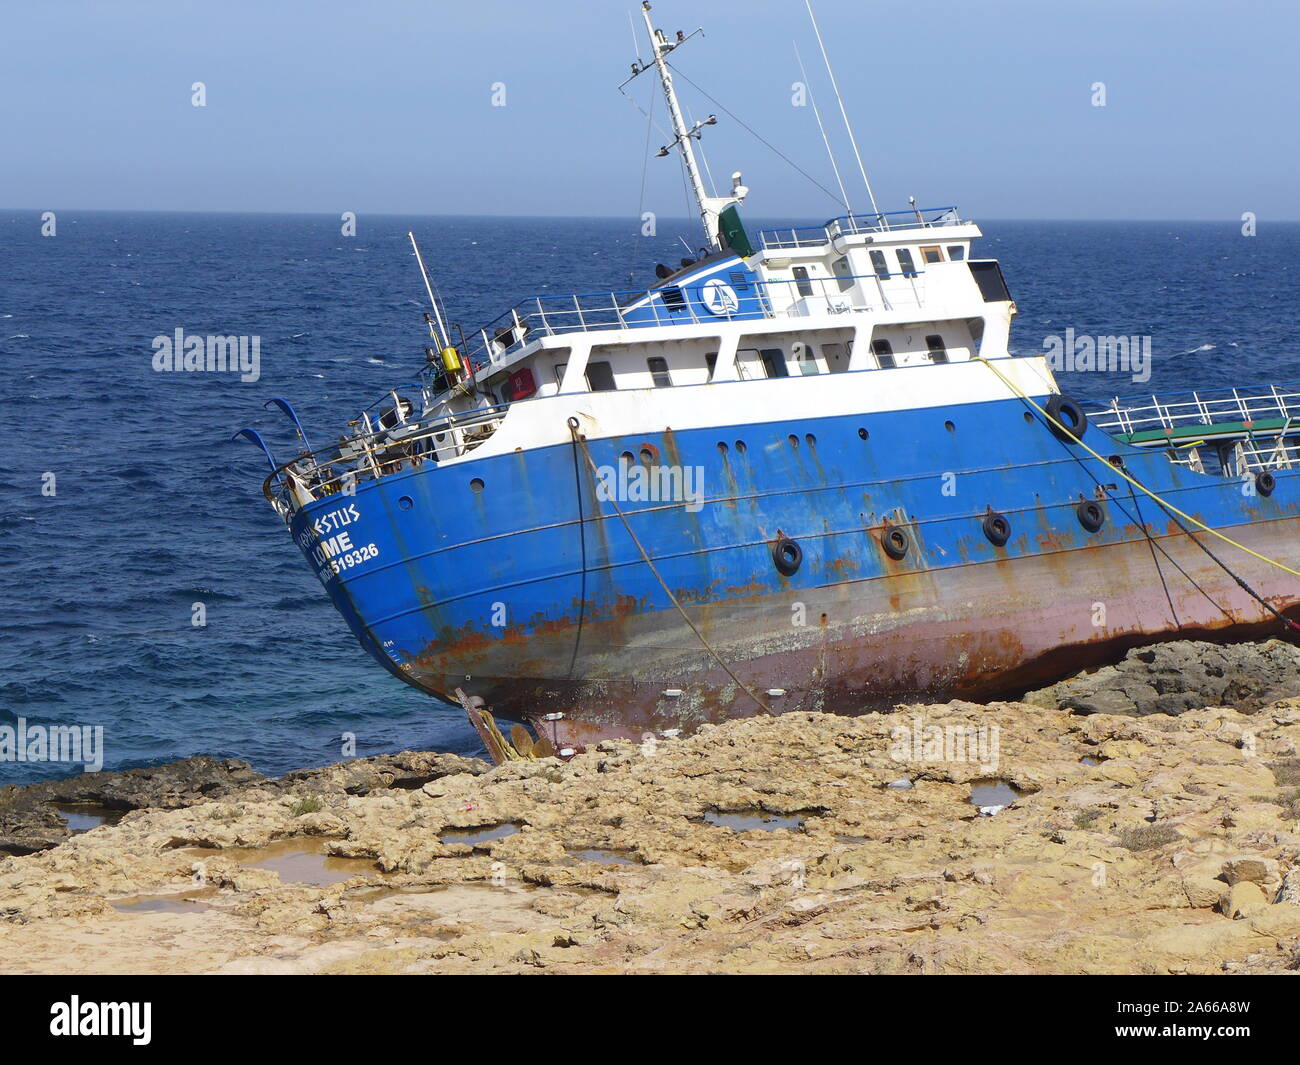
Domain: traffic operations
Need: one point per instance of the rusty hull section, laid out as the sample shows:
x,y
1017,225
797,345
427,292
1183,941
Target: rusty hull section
x,y
976,630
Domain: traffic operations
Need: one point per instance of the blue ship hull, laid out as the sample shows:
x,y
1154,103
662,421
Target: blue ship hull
x,y
509,577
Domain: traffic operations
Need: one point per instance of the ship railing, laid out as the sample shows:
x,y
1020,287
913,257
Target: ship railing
x,y
543,316
855,224
380,447
1213,407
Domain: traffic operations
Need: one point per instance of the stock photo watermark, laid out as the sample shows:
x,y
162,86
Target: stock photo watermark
x,y
68,744
194,353
920,743
1083,353
628,483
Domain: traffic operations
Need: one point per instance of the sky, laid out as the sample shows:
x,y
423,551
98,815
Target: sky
x,y
386,106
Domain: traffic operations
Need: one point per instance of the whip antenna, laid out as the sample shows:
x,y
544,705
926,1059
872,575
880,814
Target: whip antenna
x,y
844,114
825,140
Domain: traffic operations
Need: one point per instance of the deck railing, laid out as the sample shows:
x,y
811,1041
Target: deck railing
x,y
583,312
381,446
1239,430
810,236
1181,411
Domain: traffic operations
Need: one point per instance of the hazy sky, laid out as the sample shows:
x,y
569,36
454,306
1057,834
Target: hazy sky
x,y
386,105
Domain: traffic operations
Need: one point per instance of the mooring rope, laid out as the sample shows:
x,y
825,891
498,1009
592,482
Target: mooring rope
x,y
1164,503
579,439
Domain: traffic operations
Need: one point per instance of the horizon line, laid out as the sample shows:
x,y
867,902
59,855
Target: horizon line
x,y
583,218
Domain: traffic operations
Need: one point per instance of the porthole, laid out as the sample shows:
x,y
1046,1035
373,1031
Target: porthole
x,y
476,485
722,447
810,440
649,454
950,427
1029,418
627,458
740,446
794,441
405,502
863,434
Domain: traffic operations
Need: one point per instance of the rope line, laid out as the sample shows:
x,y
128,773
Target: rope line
x,y
1163,503
578,438
757,136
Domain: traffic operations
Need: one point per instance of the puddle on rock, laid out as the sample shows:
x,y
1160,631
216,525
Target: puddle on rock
x,y
1087,759
479,833
181,902
82,817
296,861
603,856
749,820
992,792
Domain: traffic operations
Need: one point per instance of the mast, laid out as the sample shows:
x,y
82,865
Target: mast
x,y
661,47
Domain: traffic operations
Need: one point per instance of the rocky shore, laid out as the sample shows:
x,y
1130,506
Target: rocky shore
x,y
1142,820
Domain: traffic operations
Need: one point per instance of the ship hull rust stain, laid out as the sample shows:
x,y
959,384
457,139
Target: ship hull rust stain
x,y
977,631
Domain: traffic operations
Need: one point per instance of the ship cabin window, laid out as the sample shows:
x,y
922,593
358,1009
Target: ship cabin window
x,y
801,281
711,363
659,372
884,352
774,362
938,353
879,265
834,354
559,372
600,377
932,254
807,357
956,252
843,275
905,262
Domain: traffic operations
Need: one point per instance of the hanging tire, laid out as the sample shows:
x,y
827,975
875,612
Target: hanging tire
x,y
1091,515
1265,482
997,528
1066,419
896,543
787,555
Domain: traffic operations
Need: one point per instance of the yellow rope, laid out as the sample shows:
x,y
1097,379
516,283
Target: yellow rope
x,y
1133,481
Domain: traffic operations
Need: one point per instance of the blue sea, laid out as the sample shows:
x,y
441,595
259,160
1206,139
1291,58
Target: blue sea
x,y
155,509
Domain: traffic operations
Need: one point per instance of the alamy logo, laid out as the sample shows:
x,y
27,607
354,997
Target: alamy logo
x,y
103,1018
22,742
628,483
1109,354
919,742
208,354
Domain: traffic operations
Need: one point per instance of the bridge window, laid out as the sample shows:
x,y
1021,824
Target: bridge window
x,y
905,262
884,352
659,372
774,362
807,360
938,353
879,265
956,252
801,281
600,377
932,254
711,362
